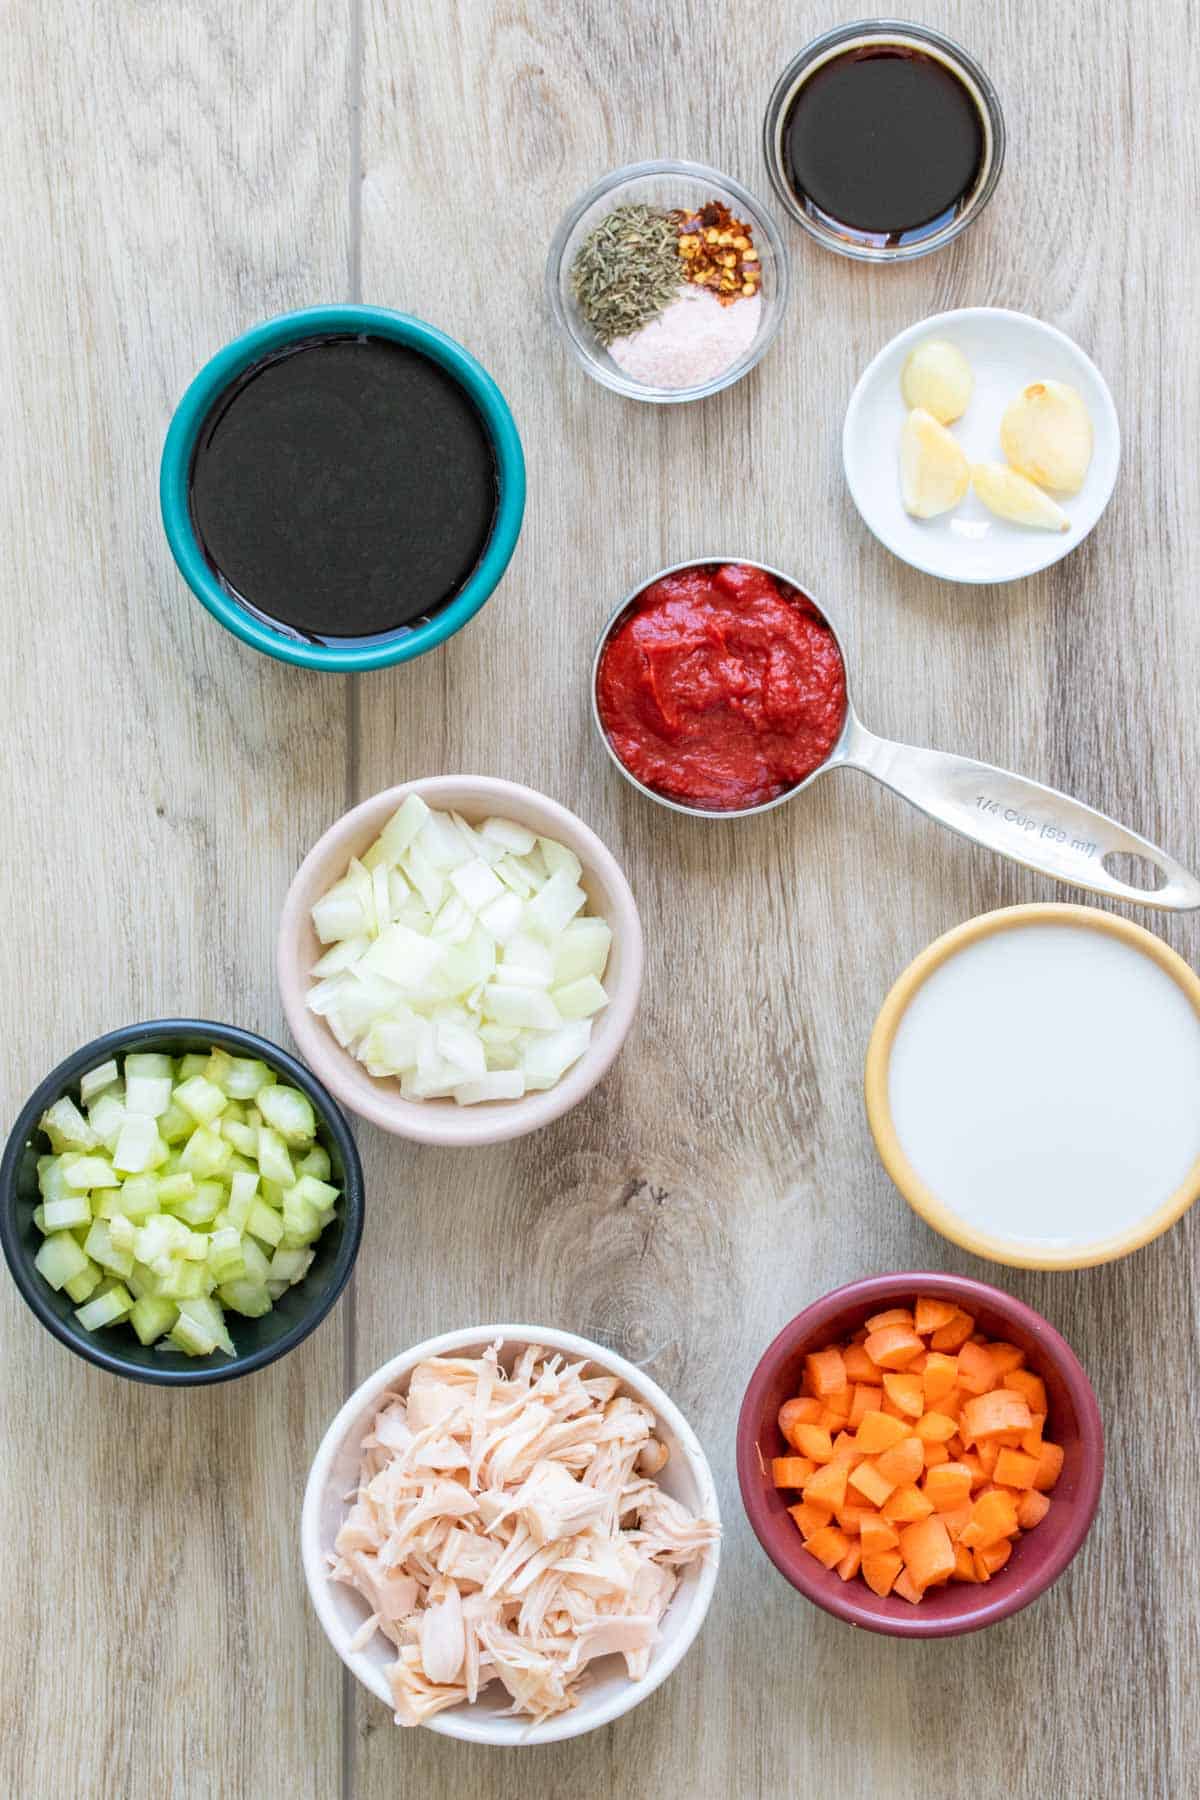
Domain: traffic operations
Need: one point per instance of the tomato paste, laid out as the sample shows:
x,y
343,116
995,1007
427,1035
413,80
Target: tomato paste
x,y
721,687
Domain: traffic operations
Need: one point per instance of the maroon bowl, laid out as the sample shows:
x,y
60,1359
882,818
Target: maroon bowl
x,y
1038,1559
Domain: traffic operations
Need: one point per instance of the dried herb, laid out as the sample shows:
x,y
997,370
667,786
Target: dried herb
x,y
627,270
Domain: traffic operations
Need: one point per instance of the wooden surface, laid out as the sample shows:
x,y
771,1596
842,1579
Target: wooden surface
x,y
171,174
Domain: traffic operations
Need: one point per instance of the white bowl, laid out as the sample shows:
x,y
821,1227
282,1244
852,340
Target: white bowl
x,y
609,1692
1006,350
444,1121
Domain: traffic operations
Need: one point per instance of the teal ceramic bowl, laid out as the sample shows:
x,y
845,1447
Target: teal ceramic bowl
x,y
324,321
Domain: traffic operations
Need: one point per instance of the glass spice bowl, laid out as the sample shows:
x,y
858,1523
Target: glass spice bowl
x,y
668,184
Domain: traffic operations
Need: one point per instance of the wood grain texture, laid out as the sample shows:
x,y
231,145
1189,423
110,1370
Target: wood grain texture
x,y
174,172
171,174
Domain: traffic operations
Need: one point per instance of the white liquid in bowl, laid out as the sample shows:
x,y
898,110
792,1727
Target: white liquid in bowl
x,y
1044,1084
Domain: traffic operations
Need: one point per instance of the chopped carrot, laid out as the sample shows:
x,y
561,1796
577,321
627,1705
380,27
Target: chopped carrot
x,y
993,1556
1006,1359
894,1346
906,1505
880,1572
814,1441
896,1315
850,1516
866,1399
846,1450
954,1334
964,1564
919,1453
851,1563
825,1372
904,1462
871,1484
859,1366
1016,1469
993,1516
927,1551
1032,1508
987,1453
956,1521
839,1404
906,1392
1023,1381
810,1518
975,1371
907,1588
948,1486
791,1471
828,1545
935,1428
930,1315
877,1432
877,1534
988,1414
797,1412
939,1375
1050,1464
827,1486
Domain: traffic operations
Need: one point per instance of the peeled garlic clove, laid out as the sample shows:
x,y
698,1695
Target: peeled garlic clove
x,y
1046,434
1011,496
934,472
937,378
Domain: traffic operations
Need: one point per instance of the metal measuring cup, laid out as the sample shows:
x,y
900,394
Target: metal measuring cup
x,y
1031,824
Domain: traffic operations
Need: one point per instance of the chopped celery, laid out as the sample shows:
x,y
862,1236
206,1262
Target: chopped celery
x,y
245,1297
82,1286
66,1127
245,1077
105,1309
290,1113
225,1259
61,1215
201,1098
205,1153
84,1172
177,1193
96,1080
174,1125
60,1260
315,1162
273,1160
151,1317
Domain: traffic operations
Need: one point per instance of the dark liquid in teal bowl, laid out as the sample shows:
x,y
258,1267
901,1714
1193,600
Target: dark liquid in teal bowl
x,y
884,144
343,488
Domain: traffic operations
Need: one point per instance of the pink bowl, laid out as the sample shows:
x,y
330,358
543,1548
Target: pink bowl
x,y
444,1122
1041,1555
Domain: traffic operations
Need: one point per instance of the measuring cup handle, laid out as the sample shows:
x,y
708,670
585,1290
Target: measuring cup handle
x,y
1032,824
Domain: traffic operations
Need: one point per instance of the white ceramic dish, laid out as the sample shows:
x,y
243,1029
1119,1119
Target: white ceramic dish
x,y
1006,351
334,1474
443,1121
1033,1086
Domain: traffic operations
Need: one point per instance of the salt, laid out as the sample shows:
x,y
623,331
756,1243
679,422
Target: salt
x,y
693,341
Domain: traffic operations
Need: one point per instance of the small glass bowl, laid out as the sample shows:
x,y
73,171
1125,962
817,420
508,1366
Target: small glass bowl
x,y
668,184
874,247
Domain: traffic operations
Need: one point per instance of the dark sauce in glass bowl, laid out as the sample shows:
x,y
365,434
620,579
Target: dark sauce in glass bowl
x,y
884,143
343,488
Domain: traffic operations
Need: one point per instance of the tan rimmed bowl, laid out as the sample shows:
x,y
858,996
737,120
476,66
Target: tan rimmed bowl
x,y
444,1122
1076,1251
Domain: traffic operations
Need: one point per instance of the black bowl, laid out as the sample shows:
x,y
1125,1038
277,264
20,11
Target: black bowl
x,y
258,1341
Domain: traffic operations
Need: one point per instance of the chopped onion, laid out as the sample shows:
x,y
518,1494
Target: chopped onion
x,y
462,960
